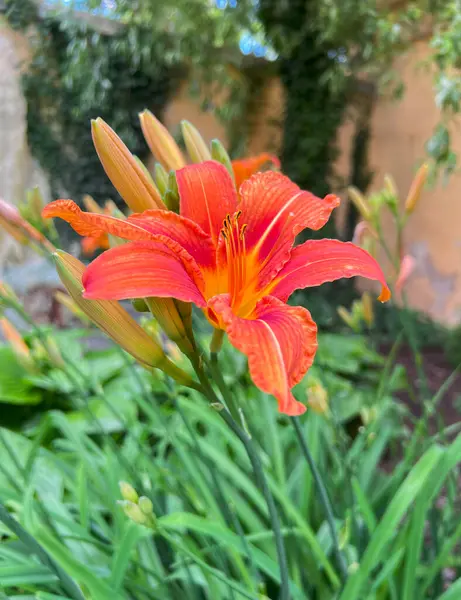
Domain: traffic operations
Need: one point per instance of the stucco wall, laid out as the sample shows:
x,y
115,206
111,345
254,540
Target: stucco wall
x,y
18,170
399,130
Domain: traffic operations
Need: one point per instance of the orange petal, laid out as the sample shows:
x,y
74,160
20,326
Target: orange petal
x,y
184,231
246,167
280,342
91,244
161,142
138,270
207,195
318,261
126,175
275,210
92,224
114,321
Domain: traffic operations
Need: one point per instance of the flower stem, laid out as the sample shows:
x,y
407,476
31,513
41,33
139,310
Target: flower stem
x,y
256,465
323,494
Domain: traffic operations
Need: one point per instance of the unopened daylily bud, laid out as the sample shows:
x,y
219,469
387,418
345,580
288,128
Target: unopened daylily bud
x,y
175,318
128,492
146,506
72,306
219,153
161,142
133,512
20,229
172,194
146,172
128,178
17,343
360,202
416,188
35,204
195,144
161,178
391,188
111,209
317,398
7,296
115,322
54,354
367,308
91,205
346,316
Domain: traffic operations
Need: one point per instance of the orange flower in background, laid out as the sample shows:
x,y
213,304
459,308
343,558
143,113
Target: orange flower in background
x,y
246,167
233,257
90,244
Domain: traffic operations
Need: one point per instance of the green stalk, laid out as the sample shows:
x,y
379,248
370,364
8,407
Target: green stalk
x,y
257,469
324,499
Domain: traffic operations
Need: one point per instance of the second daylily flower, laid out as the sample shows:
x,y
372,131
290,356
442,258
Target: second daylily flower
x,y
232,258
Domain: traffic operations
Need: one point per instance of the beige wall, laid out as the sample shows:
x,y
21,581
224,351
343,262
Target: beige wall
x,y
399,131
18,170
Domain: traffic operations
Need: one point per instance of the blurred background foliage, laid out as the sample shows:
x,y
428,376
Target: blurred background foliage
x,y
116,64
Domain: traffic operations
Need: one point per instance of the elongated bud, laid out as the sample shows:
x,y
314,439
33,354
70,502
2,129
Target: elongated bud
x,y
146,172
195,144
111,318
391,188
22,231
133,512
91,205
161,142
407,267
346,316
7,296
360,202
128,178
219,153
416,188
172,193
146,506
54,354
367,307
128,492
317,398
72,306
175,318
35,204
161,178
18,345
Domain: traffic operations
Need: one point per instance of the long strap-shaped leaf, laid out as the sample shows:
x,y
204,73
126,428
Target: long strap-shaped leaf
x,y
386,529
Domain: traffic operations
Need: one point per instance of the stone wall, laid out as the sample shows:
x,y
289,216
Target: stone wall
x,y
18,170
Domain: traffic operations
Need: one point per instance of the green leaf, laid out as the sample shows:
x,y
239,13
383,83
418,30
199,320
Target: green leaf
x,y
386,529
14,385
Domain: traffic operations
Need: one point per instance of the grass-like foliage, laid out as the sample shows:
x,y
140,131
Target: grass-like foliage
x,y
209,534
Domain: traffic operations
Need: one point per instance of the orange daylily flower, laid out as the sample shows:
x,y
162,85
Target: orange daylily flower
x,y
246,167
233,257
